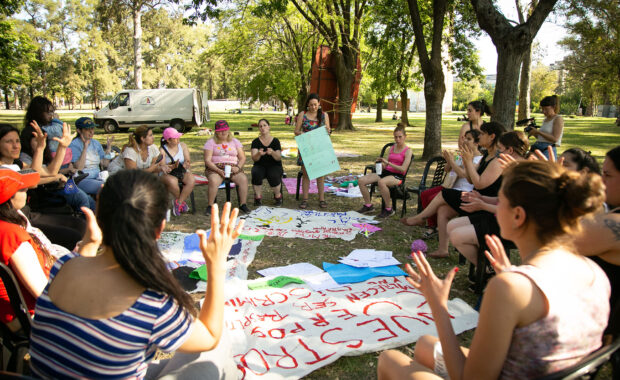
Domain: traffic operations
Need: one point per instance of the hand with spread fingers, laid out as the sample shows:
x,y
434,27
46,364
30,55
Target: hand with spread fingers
x,y
435,290
505,160
497,257
66,138
538,155
39,136
223,233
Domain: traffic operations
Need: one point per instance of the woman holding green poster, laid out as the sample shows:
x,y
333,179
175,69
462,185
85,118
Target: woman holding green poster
x,y
311,118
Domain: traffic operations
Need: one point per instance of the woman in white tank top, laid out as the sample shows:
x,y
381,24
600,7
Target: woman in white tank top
x,y
552,128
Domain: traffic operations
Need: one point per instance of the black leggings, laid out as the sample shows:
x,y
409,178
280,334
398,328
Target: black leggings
x,y
272,173
65,230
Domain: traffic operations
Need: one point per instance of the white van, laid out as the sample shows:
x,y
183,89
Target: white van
x,y
180,108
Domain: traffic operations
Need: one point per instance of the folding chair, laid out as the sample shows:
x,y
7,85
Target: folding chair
x,y
396,192
588,367
439,175
478,273
15,344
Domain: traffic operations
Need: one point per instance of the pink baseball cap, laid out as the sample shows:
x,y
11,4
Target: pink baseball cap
x,y
221,125
171,133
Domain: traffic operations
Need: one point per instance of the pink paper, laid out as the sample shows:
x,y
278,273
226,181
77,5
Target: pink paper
x,y
291,186
367,227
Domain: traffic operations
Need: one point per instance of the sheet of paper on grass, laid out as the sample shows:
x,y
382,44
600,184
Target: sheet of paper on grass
x,y
346,274
287,333
369,258
297,269
317,152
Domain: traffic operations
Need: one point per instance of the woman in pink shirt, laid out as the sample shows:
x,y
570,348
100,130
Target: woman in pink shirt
x,y
392,173
221,151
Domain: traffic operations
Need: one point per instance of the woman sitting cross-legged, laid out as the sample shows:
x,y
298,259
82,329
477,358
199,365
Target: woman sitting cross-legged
x,y
177,169
392,173
267,156
486,178
537,318
106,316
222,151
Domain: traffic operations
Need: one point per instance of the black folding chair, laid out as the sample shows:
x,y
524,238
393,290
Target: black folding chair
x,y
15,344
588,367
396,192
439,175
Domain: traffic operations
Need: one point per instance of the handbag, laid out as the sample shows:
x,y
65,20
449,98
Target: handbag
x,y
179,170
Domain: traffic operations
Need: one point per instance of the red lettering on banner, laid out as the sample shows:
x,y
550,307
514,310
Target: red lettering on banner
x,y
293,292
422,304
347,315
316,355
393,317
244,362
285,356
315,305
279,333
352,298
385,327
298,329
236,302
426,315
379,302
275,317
346,288
356,345
256,332
319,321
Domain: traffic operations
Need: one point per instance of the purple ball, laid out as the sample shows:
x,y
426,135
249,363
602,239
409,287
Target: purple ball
x,y
419,245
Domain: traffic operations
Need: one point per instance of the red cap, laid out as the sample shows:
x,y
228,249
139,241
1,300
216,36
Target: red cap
x,y
11,182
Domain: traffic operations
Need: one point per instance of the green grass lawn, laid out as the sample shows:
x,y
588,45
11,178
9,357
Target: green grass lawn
x,y
597,135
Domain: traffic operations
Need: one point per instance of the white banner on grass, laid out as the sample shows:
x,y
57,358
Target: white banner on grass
x,y
305,224
289,332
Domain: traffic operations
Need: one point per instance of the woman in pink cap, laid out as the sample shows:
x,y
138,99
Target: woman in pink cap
x,y
221,151
177,170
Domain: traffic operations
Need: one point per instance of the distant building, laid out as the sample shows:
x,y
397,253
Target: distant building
x,y
417,102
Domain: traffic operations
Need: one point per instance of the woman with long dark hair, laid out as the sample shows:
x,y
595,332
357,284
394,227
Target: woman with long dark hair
x,y
112,327
41,110
308,120
475,111
536,318
267,156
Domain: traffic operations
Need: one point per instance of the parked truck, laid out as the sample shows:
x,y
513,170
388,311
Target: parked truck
x,y
180,108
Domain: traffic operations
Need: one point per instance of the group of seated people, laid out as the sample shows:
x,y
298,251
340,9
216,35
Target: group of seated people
x,y
536,318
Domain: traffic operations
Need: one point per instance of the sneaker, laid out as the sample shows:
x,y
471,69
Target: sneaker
x,y
365,209
244,208
258,202
278,201
176,209
386,214
184,207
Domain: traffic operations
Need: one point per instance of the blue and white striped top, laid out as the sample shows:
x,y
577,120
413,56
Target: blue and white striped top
x,y
64,345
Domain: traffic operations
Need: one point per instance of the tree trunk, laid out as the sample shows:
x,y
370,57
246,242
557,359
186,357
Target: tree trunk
x,y
404,107
302,95
6,98
137,47
434,91
508,62
379,117
346,66
524,85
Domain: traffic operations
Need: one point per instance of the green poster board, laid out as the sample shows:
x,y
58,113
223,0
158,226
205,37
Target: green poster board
x,y
317,152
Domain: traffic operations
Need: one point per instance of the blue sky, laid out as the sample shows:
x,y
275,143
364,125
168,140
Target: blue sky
x,y
546,40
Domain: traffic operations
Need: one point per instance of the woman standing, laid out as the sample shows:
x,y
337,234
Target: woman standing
x,y
113,327
267,156
177,169
551,131
475,111
220,152
308,120
536,318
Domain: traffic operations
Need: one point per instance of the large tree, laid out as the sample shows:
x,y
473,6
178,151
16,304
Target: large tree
x,y
511,42
16,50
438,27
526,65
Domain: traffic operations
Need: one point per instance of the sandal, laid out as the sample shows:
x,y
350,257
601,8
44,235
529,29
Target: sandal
x,y
322,204
430,233
303,204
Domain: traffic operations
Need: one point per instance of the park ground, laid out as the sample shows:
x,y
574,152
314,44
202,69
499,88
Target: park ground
x,y
597,135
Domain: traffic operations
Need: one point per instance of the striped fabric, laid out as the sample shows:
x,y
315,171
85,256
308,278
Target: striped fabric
x,y
64,345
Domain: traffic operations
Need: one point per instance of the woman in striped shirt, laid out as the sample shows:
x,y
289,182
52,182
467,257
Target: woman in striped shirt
x,y
106,316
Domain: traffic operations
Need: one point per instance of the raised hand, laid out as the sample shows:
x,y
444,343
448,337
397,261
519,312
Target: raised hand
x,y
497,257
435,291
223,234
40,137
66,137
467,153
92,236
505,160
